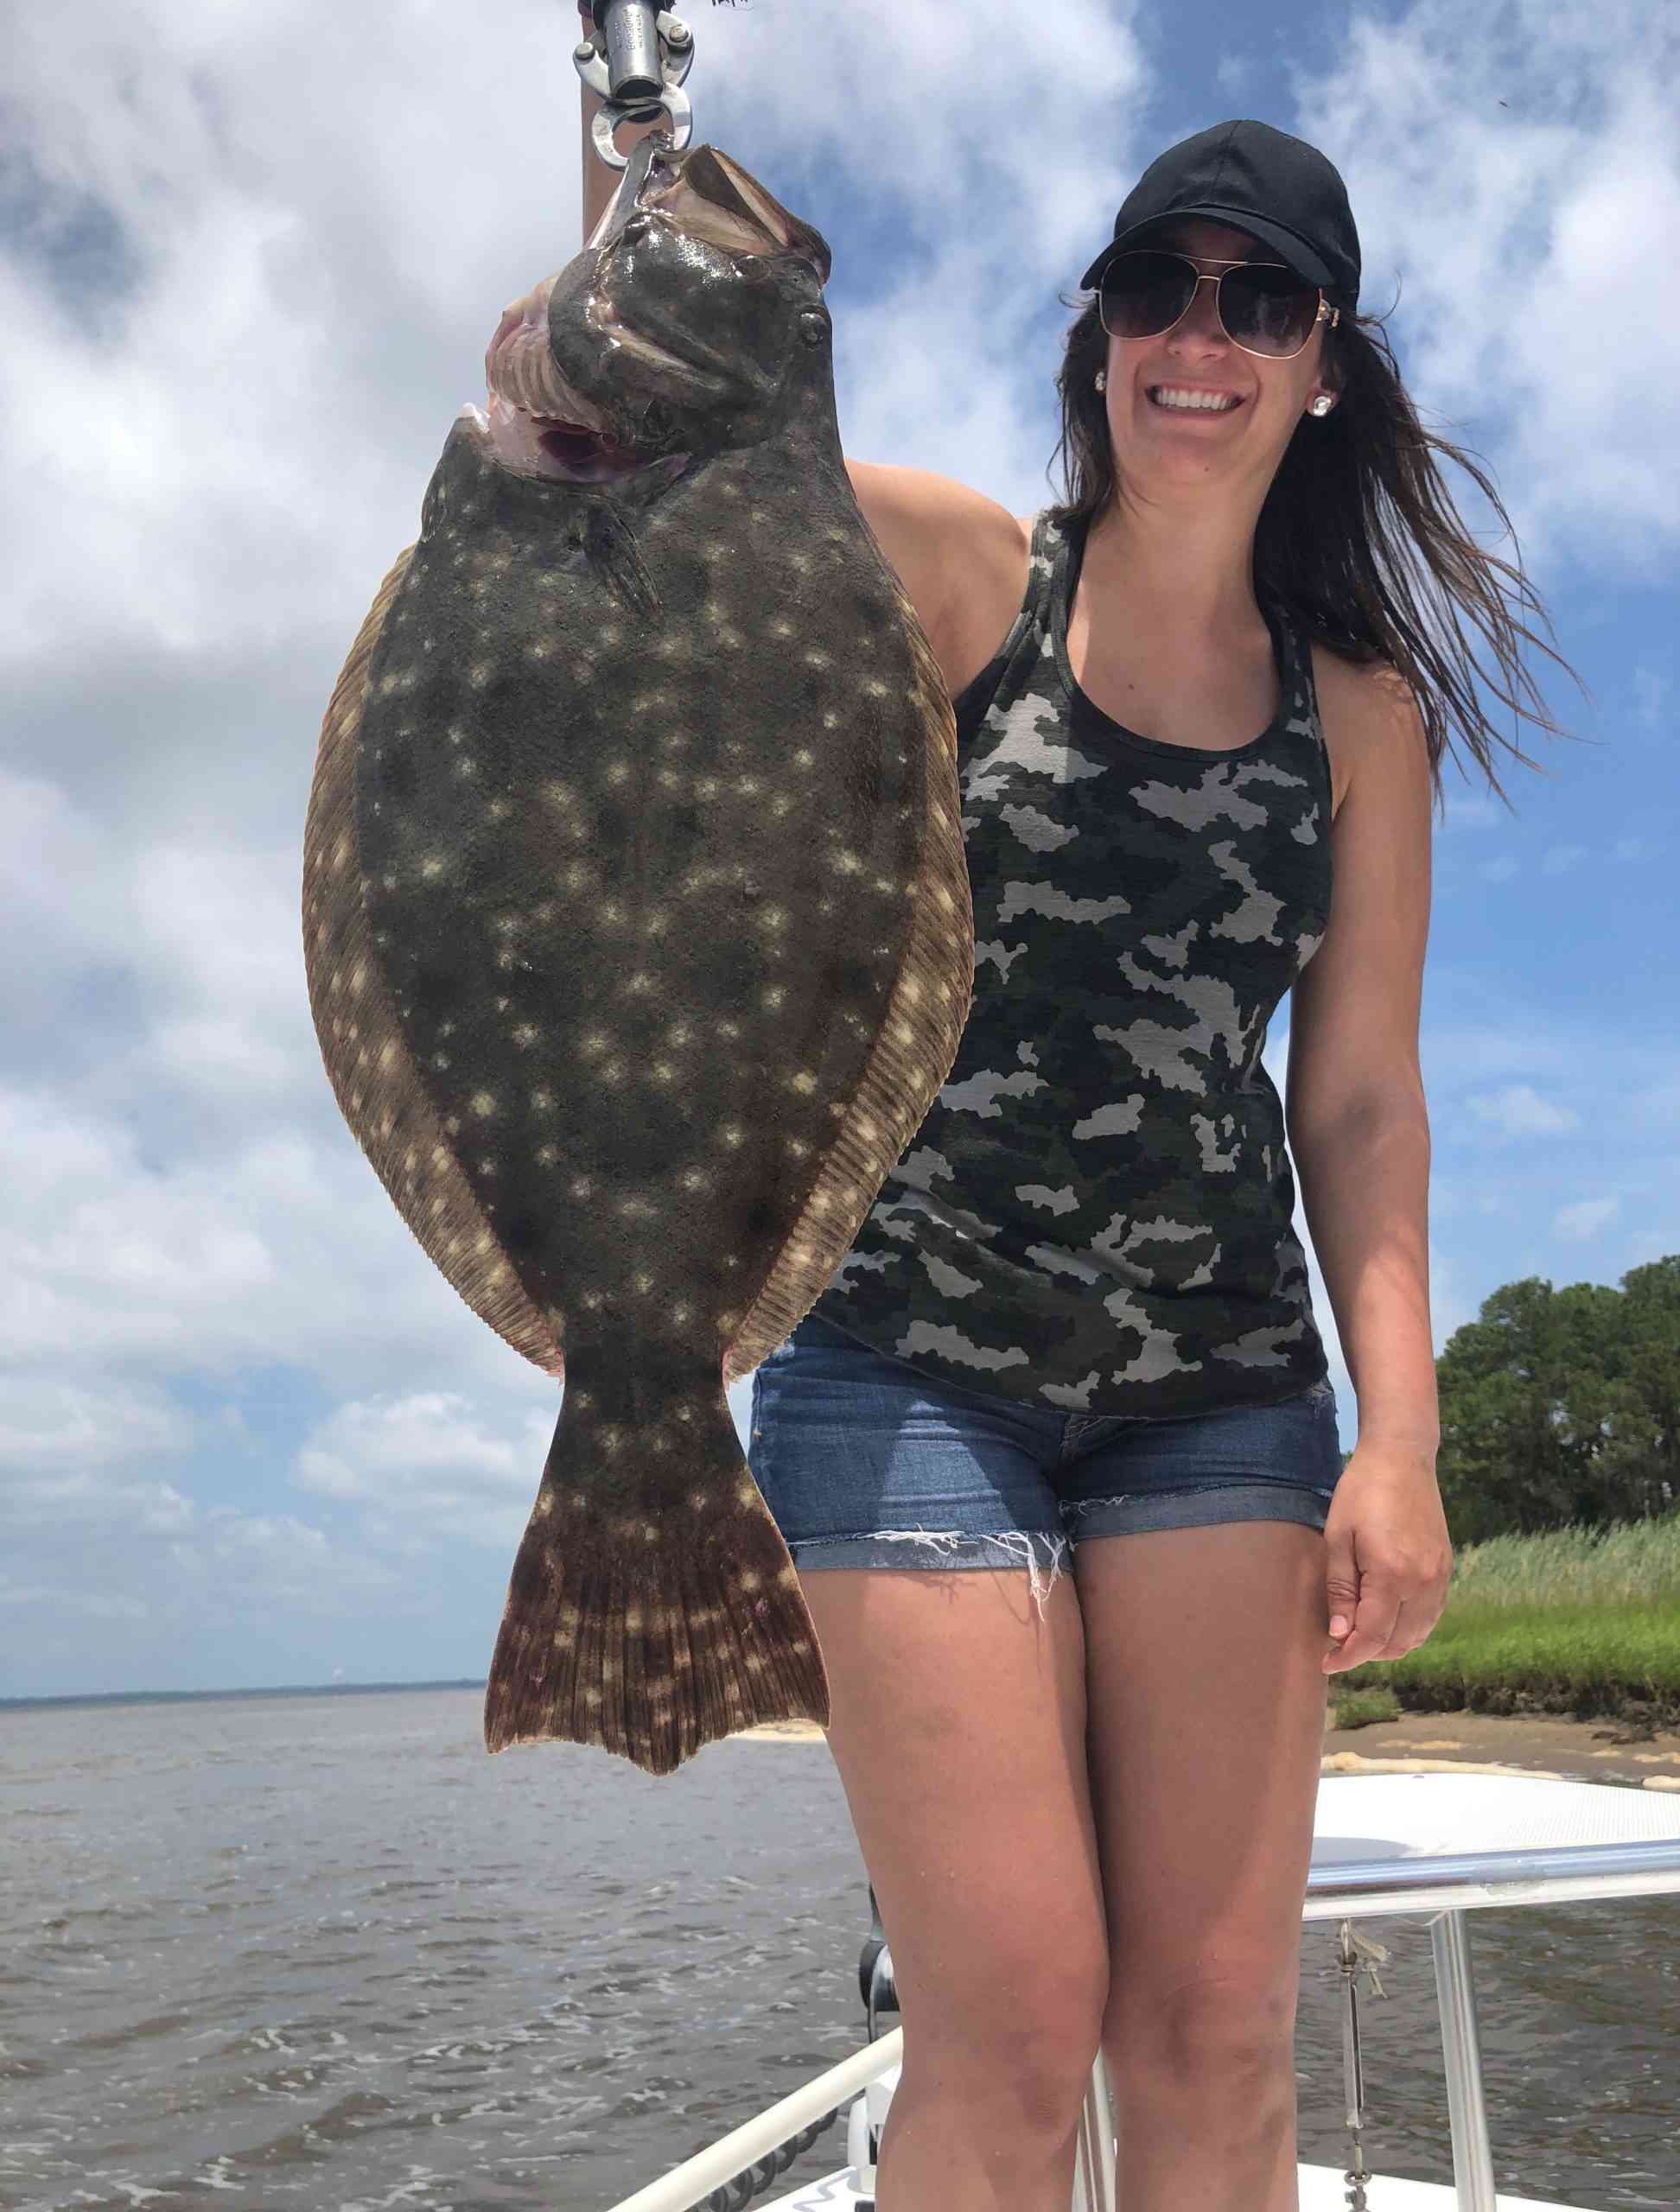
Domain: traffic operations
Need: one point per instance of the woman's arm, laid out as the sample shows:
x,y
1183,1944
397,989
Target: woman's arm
x,y
1359,1125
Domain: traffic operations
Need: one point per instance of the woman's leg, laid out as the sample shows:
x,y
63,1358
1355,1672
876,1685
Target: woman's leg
x,y
1207,1708
958,1727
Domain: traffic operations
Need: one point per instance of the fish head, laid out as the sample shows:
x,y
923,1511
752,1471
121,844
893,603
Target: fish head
x,y
692,324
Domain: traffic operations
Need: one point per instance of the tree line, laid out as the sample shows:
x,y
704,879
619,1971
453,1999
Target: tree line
x,y
1560,1406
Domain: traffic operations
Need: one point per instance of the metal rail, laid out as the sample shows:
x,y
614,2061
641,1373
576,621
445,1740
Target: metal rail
x,y
1450,1887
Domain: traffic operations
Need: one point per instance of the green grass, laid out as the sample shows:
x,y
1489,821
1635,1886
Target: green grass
x,y
1578,1621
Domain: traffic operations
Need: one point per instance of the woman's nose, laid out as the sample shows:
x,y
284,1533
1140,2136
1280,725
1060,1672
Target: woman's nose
x,y
1201,319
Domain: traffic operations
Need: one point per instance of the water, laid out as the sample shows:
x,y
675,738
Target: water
x,y
324,1953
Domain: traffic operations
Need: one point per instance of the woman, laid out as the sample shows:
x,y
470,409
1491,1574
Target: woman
x,y
1078,1311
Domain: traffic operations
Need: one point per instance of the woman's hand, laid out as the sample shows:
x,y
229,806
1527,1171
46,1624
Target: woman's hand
x,y
1391,1558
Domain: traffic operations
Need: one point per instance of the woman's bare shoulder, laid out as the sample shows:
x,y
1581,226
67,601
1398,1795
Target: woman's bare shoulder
x,y
1366,705
961,557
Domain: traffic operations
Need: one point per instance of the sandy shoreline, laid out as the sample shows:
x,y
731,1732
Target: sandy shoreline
x,y
1418,1743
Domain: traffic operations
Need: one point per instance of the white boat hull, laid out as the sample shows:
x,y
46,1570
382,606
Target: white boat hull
x,y
1322,2190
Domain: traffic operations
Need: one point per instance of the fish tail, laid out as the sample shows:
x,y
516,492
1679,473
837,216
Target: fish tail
x,y
653,1607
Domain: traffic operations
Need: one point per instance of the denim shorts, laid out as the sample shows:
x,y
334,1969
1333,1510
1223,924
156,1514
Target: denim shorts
x,y
865,1461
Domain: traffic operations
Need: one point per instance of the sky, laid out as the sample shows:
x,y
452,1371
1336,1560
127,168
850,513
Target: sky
x,y
249,258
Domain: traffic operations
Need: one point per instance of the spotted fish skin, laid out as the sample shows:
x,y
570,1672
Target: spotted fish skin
x,y
638,938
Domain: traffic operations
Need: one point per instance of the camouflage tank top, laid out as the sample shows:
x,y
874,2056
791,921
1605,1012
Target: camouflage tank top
x,y
1096,1214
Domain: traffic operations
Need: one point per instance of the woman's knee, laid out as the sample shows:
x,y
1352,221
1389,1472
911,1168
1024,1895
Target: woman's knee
x,y
1028,2054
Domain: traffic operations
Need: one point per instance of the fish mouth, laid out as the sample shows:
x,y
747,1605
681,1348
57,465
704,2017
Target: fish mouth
x,y
550,445
540,425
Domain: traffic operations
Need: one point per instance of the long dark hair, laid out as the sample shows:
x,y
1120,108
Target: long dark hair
x,y
1357,534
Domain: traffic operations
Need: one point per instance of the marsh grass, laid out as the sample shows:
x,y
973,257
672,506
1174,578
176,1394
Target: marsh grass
x,y
1578,1620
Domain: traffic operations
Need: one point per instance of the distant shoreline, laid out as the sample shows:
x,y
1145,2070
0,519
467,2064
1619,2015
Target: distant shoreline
x,y
203,1697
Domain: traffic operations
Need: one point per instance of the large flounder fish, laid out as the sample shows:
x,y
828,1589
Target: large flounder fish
x,y
637,923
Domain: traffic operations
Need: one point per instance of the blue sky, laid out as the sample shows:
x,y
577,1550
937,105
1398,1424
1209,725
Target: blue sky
x,y
249,262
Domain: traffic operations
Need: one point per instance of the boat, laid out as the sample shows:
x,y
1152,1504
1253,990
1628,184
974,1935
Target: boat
x,y
1441,1844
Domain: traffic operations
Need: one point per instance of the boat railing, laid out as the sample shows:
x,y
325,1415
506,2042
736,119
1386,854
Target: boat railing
x,y
1447,1886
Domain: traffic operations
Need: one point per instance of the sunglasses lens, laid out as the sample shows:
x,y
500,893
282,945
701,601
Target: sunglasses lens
x,y
1143,294
1269,310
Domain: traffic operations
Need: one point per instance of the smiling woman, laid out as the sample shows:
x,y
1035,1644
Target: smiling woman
x,y
1075,1327
1078,1315
1355,513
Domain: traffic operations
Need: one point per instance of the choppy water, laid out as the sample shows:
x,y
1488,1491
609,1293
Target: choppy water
x,y
323,1953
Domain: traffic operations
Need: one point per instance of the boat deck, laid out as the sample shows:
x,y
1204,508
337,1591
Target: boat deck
x,y
1441,1844
1322,2190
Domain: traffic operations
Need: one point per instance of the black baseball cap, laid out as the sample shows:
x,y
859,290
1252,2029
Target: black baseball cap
x,y
1280,189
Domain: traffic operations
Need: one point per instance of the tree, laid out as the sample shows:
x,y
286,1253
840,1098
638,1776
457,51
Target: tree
x,y
1562,1405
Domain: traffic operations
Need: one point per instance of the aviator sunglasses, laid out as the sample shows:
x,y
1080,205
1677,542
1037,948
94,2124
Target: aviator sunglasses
x,y
1263,306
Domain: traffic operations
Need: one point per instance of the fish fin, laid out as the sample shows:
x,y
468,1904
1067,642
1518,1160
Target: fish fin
x,y
652,1609
609,547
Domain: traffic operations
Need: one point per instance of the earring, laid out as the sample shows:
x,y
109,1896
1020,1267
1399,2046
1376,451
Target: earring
x,y
1322,405
1102,379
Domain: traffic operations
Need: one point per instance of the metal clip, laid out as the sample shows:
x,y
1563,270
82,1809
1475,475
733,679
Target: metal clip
x,y
628,64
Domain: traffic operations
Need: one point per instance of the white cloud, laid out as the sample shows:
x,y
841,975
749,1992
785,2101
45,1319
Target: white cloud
x,y
1560,859
1520,1111
1650,695
424,1467
1499,871
1521,234
1475,812
72,1424
1585,1217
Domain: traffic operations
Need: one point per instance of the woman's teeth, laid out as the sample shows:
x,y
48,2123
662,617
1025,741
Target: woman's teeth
x,y
1206,403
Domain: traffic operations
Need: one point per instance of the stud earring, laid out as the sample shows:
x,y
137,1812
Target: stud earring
x,y
1101,379
1322,405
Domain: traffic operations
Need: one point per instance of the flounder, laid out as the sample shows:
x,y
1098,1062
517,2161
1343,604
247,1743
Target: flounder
x,y
637,923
